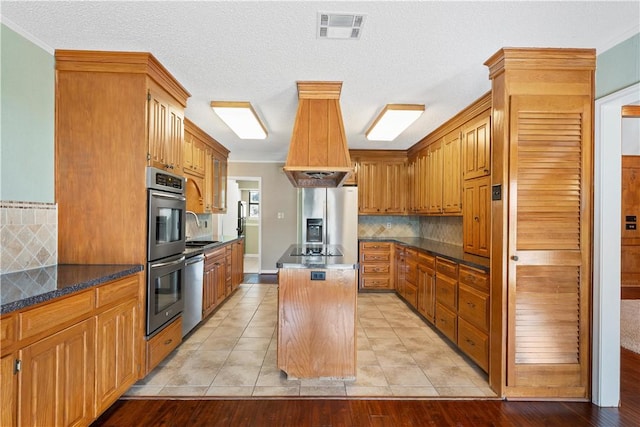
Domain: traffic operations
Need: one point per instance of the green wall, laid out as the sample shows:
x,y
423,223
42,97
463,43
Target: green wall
x,y
27,109
618,67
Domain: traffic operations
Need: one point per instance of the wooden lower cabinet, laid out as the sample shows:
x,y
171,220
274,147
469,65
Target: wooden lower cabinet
x,y
214,286
237,264
411,277
399,273
376,265
65,361
116,353
57,378
426,285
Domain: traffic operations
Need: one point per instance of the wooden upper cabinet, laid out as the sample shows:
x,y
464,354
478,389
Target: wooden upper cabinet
x,y
451,174
476,219
435,173
382,181
205,165
165,130
476,145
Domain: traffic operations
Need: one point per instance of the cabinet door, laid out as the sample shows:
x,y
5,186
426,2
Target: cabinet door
x,y
476,222
117,355
435,177
477,146
221,282
187,152
157,128
208,290
8,379
426,286
237,264
219,184
57,378
175,138
452,175
400,270
395,187
370,190
208,180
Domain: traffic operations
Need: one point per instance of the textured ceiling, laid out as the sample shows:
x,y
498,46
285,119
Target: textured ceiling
x,y
429,52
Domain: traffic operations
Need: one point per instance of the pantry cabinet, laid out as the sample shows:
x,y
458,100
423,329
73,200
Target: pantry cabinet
x,y
541,246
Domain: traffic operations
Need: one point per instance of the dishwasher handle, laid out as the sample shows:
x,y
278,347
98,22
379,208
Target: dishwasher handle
x,y
194,260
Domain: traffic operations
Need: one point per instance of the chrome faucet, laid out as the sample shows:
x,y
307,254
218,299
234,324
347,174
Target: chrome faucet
x,y
196,217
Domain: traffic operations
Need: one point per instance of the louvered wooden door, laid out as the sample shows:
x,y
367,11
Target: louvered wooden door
x,y
549,245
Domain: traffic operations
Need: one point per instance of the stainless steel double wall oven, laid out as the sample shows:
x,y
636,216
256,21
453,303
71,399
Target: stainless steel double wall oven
x,y
165,247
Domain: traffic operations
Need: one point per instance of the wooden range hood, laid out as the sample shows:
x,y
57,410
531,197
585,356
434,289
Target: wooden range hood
x,y
318,154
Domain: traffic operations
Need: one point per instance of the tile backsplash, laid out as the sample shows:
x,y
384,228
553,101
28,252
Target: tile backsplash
x,y
441,229
28,235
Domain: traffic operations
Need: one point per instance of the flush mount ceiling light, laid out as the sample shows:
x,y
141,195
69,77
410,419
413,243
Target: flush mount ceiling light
x,y
241,119
393,120
340,25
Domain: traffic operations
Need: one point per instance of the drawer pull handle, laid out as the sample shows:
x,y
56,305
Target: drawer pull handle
x,y
470,304
169,341
470,278
471,343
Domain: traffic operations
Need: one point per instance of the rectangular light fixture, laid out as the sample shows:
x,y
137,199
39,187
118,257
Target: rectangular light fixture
x,y
393,120
241,119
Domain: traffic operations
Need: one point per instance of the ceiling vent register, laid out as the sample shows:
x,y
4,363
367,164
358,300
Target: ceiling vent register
x,y
340,26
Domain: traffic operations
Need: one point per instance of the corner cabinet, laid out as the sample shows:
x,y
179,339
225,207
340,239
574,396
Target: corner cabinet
x,y
205,168
541,260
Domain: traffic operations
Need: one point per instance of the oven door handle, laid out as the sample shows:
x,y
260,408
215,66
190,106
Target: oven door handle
x,y
168,196
164,264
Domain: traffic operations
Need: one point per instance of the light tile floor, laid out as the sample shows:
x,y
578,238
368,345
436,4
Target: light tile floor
x,y
233,353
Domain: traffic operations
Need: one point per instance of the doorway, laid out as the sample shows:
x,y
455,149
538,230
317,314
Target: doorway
x,y
244,197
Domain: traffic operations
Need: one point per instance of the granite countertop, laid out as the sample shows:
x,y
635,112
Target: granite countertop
x,y
348,260
453,252
219,241
29,287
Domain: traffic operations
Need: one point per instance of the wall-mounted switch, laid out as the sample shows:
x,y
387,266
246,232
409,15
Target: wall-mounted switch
x,y
631,226
630,218
318,275
496,192
280,215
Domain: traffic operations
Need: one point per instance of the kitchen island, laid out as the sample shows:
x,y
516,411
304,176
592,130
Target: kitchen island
x,y
317,310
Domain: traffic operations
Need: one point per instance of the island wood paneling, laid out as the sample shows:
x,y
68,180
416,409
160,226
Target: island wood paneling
x,y
317,323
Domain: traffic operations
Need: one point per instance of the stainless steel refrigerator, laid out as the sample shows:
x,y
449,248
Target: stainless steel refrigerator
x,y
328,216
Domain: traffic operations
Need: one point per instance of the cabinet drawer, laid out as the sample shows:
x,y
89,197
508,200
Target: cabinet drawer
x,y
427,261
54,315
376,246
446,267
476,278
375,268
376,282
446,292
118,290
446,322
474,343
162,344
473,306
376,257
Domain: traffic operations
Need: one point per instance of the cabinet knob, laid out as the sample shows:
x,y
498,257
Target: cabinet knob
x,y
514,257
476,219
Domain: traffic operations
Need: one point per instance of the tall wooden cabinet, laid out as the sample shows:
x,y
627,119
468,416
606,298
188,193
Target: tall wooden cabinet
x,y
630,234
476,217
542,151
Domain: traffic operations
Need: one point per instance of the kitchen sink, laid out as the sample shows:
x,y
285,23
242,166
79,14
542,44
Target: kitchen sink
x,y
200,243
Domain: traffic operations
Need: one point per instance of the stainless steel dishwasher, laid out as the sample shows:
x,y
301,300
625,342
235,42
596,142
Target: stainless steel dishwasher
x,y
193,276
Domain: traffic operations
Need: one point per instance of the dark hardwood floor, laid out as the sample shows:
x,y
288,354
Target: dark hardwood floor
x,y
381,412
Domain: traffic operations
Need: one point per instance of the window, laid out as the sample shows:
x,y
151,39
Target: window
x,y
254,204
